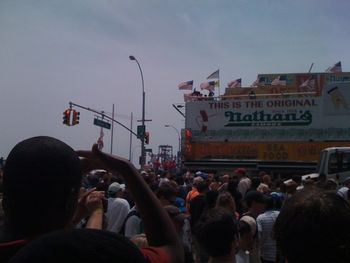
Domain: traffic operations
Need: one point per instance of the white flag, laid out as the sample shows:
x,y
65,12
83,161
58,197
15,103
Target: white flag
x,y
214,75
100,140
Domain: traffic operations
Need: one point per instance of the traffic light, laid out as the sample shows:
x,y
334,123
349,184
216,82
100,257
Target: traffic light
x,y
146,137
76,117
66,117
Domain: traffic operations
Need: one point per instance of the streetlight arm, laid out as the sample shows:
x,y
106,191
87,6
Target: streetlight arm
x,y
178,133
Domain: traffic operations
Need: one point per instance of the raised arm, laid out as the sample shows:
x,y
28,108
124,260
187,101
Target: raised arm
x,y
158,226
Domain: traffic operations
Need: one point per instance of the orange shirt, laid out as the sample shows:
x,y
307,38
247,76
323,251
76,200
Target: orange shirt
x,y
191,194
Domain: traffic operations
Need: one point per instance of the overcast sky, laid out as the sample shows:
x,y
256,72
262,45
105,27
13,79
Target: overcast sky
x,y
54,52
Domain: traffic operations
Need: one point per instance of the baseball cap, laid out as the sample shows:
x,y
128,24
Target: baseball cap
x,y
240,171
115,187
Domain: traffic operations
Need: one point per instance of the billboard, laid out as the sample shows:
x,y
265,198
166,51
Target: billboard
x,y
282,118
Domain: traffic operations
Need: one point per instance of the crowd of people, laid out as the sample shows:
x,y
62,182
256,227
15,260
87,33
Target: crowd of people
x,y
64,205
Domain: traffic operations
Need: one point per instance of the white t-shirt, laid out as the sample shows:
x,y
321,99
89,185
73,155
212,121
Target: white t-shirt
x,y
118,209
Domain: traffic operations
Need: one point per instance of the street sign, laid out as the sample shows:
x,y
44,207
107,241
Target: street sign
x,y
148,150
141,131
102,123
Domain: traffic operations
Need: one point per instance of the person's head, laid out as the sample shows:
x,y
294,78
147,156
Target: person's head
x,y
225,200
116,190
197,180
80,245
255,182
241,172
42,178
216,232
225,178
202,187
255,202
314,226
166,194
263,188
266,179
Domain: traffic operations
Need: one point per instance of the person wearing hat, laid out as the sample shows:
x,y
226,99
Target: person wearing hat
x,y
117,209
244,182
194,192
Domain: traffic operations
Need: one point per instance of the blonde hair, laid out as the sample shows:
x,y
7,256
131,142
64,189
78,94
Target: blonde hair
x,y
225,200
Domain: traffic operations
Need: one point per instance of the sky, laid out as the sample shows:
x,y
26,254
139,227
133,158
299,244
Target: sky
x,y
56,52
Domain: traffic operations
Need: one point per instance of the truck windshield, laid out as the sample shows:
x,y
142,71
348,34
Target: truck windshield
x,y
339,162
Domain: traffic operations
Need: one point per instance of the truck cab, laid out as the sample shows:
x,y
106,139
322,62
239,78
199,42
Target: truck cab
x,y
334,163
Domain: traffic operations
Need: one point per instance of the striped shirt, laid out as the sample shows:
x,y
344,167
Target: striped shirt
x,y
267,244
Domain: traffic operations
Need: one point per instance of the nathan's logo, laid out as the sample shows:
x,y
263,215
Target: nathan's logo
x,y
260,118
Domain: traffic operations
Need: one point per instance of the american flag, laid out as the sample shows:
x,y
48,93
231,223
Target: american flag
x,y
335,68
309,84
187,85
209,85
237,83
258,82
280,80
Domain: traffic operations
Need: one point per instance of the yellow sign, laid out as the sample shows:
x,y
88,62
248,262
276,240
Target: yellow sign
x,y
276,151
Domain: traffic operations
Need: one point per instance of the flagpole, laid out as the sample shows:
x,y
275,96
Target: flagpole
x,y
130,145
219,83
112,130
311,67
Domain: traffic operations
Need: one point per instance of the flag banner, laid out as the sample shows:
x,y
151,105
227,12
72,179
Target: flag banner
x,y
259,82
237,83
187,85
214,75
208,85
280,80
335,68
309,84
100,140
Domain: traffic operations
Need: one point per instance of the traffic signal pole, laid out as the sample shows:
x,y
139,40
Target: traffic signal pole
x,y
103,115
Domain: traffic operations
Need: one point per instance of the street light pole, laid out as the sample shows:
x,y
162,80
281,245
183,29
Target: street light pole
x,y
179,138
143,152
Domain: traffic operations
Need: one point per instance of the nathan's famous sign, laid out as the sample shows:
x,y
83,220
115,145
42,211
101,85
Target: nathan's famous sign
x,y
260,118
285,118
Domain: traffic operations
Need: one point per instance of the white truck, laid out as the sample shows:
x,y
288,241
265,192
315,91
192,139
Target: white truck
x,y
334,164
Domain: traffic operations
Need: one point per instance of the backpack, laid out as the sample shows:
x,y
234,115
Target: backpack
x,y
130,214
